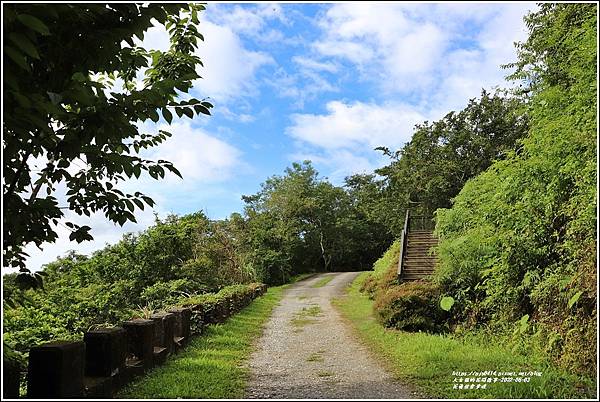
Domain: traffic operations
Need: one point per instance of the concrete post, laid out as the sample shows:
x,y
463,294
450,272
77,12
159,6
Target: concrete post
x,y
56,370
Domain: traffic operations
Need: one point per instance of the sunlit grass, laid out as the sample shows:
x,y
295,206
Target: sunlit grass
x,y
212,365
303,317
427,361
323,281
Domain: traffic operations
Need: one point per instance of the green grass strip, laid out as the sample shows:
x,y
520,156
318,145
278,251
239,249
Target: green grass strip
x,y
212,365
427,361
323,281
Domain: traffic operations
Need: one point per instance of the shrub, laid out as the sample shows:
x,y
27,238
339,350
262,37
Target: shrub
x,y
411,306
214,308
384,273
164,293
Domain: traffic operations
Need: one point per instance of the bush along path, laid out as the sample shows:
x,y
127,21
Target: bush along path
x,y
212,365
430,361
307,351
108,358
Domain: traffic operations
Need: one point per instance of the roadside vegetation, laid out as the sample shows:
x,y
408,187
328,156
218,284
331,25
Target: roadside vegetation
x,y
427,361
212,365
510,181
517,242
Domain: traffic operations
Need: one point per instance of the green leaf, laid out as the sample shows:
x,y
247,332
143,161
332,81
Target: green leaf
x,y
173,169
138,203
446,303
23,101
188,112
201,109
524,323
24,44
167,115
78,76
154,115
34,23
17,57
574,299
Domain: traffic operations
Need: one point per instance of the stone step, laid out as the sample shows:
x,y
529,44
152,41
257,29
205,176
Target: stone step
x,y
426,261
419,256
419,271
419,262
427,256
412,269
414,276
427,267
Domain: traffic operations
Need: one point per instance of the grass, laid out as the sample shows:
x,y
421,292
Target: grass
x,y
301,277
303,317
323,281
212,365
427,361
316,357
324,373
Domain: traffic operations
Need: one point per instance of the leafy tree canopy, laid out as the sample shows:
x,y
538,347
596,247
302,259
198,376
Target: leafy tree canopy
x,y
76,87
520,238
441,156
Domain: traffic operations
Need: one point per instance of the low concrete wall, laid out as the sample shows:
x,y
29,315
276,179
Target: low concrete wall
x,y
106,359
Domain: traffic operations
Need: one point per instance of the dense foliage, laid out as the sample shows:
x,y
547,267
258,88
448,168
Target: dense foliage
x,y
300,223
296,223
76,88
408,306
443,155
511,180
171,260
520,239
516,218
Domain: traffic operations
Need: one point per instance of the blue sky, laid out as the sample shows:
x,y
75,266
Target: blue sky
x,y
325,82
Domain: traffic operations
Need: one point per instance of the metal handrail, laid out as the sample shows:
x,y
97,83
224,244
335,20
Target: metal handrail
x,y
403,243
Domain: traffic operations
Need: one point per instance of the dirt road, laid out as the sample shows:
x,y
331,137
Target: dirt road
x,y
308,351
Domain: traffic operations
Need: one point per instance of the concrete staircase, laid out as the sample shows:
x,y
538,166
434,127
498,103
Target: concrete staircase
x,y
418,262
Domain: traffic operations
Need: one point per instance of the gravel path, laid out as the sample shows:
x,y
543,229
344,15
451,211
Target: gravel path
x,y
307,351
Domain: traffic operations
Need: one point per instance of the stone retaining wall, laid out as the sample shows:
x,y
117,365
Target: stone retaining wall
x,y
108,358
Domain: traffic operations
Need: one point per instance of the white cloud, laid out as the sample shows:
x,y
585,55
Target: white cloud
x,y
200,157
344,138
248,20
301,86
355,52
314,65
229,69
355,126
403,47
423,59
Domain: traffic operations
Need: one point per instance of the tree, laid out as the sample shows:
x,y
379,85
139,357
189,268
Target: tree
x,y
299,222
443,155
63,107
521,238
